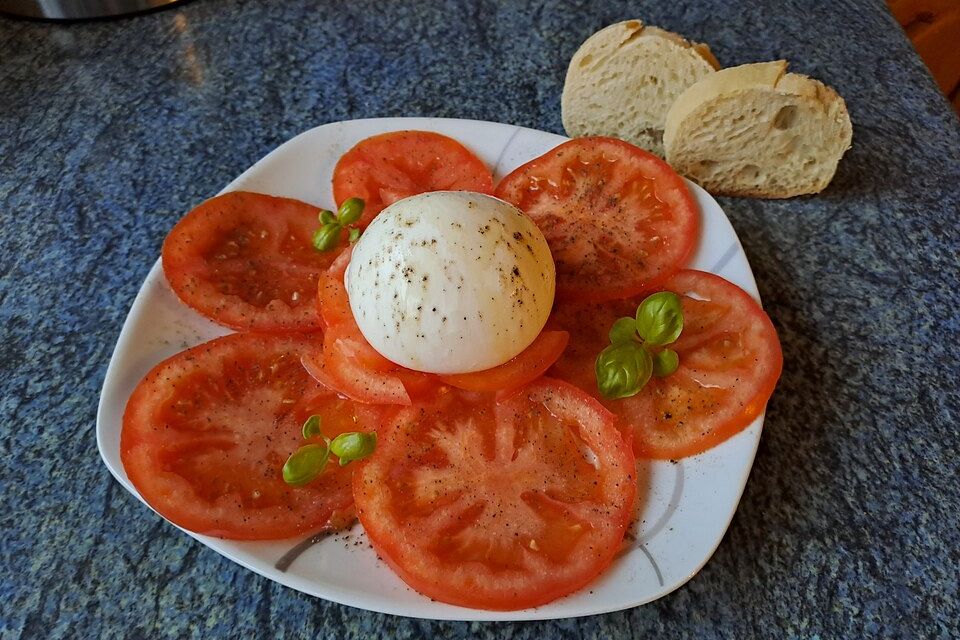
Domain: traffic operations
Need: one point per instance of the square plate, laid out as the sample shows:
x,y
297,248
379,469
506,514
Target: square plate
x,y
686,507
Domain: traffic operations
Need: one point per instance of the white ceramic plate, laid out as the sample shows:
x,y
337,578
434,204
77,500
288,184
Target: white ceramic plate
x,y
687,505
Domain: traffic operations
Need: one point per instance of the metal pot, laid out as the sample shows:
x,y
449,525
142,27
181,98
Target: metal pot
x,y
78,9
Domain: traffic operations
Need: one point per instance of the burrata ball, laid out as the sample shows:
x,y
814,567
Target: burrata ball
x,y
451,282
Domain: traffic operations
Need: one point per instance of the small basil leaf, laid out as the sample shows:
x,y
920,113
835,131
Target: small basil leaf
x,y
327,217
660,318
327,237
665,363
623,330
354,445
311,428
350,211
622,370
305,464
354,235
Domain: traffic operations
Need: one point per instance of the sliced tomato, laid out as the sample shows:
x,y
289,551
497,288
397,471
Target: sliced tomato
x,y
333,304
617,219
498,505
358,371
353,368
206,433
315,364
730,361
526,367
246,261
391,166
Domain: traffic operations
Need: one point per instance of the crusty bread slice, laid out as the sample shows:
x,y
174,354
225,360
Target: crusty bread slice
x,y
623,79
756,130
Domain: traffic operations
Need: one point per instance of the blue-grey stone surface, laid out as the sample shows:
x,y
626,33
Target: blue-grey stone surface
x,y
109,131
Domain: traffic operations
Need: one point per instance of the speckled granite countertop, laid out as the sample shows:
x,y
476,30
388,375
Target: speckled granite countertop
x,y
109,131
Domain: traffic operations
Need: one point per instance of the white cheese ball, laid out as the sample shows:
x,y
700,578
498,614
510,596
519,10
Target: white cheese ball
x,y
451,282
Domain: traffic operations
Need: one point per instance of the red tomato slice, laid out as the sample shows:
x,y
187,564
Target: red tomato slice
x,y
358,371
246,260
315,364
332,301
355,369
526,367
498,506
617,219
392,166
206,433
730,362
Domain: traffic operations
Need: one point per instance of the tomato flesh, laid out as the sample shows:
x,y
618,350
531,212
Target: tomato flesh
x,y
730,361
246,261
617,219
391,166
333,305
358,371
206,433
498,505
527,366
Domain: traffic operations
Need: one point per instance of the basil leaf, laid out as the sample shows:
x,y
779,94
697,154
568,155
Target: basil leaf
x,y
327,217
311,428
327,237
660,318
354,445
622,370
350,211
305,464
354,235
623,330
665,363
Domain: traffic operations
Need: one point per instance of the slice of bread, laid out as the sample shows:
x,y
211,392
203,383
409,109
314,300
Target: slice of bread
x,y
756,130
623,79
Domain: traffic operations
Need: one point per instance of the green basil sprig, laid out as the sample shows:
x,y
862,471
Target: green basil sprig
x,y
311,428
623,330
332,225
660,319
305,464
635,352
622,370
309,461
665,363
355,445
